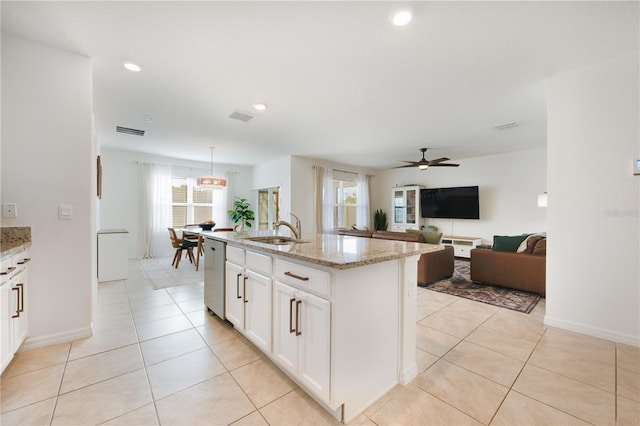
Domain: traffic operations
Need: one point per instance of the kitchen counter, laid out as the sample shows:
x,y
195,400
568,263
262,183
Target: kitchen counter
x,y
14,240
335,251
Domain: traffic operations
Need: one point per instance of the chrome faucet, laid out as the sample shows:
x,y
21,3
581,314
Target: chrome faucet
x,y
297,231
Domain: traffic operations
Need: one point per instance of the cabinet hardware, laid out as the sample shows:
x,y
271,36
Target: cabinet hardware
x,y
17,315
244,289
25,260
291,329
238,286
213,249
11,268
298,277
21,296
298,303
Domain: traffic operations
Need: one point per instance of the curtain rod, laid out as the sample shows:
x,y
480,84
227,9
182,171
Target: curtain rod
x,y
344,171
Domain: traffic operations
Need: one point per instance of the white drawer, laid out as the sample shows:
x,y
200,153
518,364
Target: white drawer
x,y
7,268
302,277
22,258
258,262
462,251
235,255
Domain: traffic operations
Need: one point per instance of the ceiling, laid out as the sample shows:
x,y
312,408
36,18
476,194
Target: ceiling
x,y
341,83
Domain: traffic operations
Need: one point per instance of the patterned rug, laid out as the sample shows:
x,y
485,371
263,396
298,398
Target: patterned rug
x,y
460,285
161,274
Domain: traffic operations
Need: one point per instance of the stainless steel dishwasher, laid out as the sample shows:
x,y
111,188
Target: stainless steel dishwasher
x,y
214,258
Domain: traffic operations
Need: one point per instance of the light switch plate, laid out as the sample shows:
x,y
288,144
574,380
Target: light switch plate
x,y
65,212
9,210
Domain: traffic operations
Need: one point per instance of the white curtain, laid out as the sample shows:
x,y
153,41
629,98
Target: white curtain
x,y
328,202
155,209
363,215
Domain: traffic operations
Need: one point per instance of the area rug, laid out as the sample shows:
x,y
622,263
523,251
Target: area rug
x,y
461,285
161,274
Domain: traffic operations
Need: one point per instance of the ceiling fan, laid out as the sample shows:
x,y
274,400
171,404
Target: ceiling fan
x,y
424,163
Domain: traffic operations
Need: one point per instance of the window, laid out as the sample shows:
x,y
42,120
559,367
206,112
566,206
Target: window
x,y
190,204
345,199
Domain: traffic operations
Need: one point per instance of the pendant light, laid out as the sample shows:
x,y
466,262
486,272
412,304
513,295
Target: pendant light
x,y
211,182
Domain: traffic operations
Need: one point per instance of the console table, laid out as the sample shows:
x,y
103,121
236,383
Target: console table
x,y
462,246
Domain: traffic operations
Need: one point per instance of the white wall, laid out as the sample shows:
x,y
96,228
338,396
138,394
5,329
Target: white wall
x,y
48,159
509,185
593,276
276,173
119,203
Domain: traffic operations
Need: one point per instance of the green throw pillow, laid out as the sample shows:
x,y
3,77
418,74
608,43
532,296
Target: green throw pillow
x,y
508,243
428,236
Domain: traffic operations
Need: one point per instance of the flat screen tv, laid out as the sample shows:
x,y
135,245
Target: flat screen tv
x,y
450,203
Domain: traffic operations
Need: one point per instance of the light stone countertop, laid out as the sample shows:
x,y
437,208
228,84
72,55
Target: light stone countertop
x,y
335,251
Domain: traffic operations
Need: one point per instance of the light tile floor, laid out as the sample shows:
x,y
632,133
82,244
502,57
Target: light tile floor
x,y
158,358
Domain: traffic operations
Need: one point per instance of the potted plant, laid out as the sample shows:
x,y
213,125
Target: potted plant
x,y
380,220
241,214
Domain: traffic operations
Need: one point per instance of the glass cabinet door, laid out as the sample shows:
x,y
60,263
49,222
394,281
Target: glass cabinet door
x,y
411,206
398,206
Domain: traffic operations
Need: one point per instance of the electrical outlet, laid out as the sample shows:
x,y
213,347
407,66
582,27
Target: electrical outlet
x,y
9,210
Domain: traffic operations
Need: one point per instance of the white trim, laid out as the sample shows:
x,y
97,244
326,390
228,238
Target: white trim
x,y
601,333
52,339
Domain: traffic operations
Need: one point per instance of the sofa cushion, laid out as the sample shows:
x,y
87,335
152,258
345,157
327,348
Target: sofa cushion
x,y
540,248
527,245
508,243
430,237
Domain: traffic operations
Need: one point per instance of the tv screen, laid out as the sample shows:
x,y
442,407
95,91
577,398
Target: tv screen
x,y
450,203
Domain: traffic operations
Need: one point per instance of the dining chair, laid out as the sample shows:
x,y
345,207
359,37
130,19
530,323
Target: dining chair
x,y
179,245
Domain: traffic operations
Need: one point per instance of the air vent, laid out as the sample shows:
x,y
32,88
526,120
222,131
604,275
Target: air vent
x,y
507,126
241,115
129,131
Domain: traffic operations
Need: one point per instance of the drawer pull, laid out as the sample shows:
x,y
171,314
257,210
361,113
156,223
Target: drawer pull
x,y
298,303
21,294
298,277
291,329
238,286
25,260
9,269
244,289
17,315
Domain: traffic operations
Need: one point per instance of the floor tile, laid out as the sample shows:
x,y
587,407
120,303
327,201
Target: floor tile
x,y
518,409
217,331
424,360
156,313
151,302
485,362
19,391
433,341
253,419
113,308
171,346
190,294
236,352
36,359
297,408
628,412
163,327
96,368
102,341
263,382
416,407
143,416
578,399
103,401
628,357
179,373
219,398
445,381
113,322
395,392
514,345
580,346
39,413
516,322
200,318
192,305
628,384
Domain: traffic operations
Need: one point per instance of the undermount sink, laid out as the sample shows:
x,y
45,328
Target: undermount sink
x,y
275,240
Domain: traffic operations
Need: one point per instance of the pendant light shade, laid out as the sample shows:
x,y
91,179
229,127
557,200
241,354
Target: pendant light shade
x,y
211,182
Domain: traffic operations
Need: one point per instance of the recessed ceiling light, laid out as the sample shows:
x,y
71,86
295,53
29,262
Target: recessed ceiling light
x,y
260,106
132,67
401,17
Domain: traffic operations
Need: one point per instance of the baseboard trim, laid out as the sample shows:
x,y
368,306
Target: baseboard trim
x,y
52,339
592,331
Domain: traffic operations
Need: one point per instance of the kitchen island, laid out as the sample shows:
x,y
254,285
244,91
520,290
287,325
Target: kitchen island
x,y
335,313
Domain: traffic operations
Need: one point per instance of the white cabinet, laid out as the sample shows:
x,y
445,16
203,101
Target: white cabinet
x,y
462,246
13,305
248,295
301,337
405,211
113,254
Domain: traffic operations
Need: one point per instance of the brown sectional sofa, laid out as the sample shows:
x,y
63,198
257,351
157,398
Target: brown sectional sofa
x,y
520,271
432,266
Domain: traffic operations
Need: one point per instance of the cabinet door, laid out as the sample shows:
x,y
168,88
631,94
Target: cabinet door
x,y
314,328
398,206
19,323
234,290
6,350
412,206
285,345
258,310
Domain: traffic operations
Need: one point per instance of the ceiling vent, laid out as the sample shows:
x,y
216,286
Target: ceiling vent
x,y
129,131
241,115
507,126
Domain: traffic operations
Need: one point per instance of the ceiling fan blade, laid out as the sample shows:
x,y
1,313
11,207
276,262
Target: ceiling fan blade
x,y
410,162
444,165
408,165
438,160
